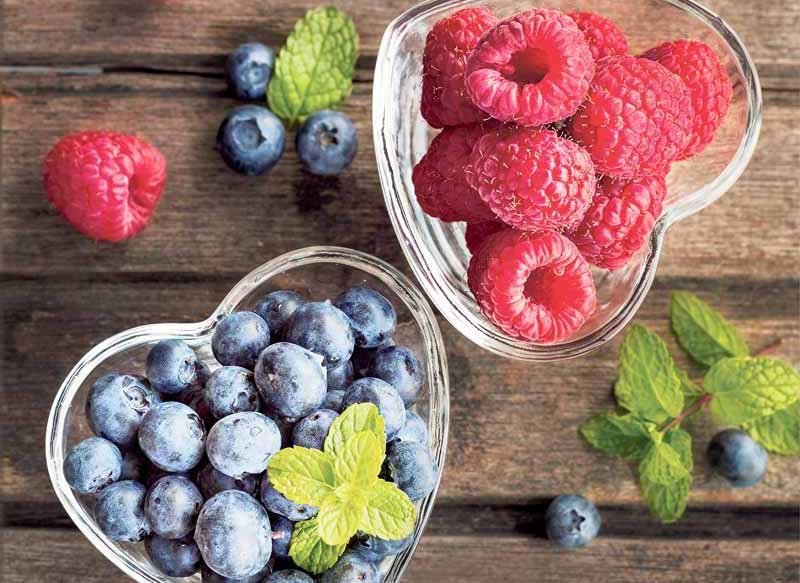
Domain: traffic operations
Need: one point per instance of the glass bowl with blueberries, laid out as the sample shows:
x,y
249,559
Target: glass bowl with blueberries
x,y
160,440
528,159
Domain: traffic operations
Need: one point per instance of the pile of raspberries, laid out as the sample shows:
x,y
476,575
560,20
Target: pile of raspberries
x,y
554,147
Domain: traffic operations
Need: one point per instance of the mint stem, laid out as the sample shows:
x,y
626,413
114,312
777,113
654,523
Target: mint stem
x,y
704,400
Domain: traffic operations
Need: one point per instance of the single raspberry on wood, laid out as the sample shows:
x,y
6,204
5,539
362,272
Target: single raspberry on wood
x,y
534,286
476,233
106,184
531,69
698,66
602,34
439,179
444,99
620,220
636,120
532,178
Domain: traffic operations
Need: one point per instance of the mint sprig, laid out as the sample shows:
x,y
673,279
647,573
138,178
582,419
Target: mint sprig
x,y
762,395
314,69
343,482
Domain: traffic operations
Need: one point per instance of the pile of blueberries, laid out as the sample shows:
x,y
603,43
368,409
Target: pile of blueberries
x,y
251,138
180,456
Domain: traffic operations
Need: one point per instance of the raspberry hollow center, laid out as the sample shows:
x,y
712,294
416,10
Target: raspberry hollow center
x,y
546,287
528,66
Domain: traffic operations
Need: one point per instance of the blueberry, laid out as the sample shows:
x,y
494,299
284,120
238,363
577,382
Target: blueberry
x,y
116,405
277,307
234,534
572,521
289,576
231,389
341,377
414,429
333,401
172,506
251,140
192,396
735,456
174,558
171,366
376,549
323,329
351,568
154,474
134,465
211,482
398,366
383,396
362,358
209,576
92,464
242,443
239,338
291,380
172,436
311,431
326,143
282,529
119,512
412,468
249,69
372,316
277,503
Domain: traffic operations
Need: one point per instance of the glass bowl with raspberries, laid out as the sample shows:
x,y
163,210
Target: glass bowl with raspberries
x,y
238,447
533,156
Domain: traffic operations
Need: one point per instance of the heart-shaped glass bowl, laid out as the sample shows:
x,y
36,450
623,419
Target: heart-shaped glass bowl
x,y
316,272
436,250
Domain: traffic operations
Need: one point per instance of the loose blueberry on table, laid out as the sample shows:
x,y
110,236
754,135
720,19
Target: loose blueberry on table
x,y
197,461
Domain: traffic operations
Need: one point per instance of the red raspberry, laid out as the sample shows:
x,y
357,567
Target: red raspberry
x,y
620,220
532,69
106,184
636,120
444,99
439,179
532,178
534,286
605,38
698,66
477,233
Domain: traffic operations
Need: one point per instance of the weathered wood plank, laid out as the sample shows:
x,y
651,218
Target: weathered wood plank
x,y
213,221
30,554
513,433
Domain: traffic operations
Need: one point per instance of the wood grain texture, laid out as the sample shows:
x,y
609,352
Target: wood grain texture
x,y
455,559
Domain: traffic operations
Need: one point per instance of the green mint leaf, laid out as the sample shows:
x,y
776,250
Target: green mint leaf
x,y
314,69
356,418
303,475
665,476
618,435
778,432
309,551
746,389
647,384
702,331
341,514
390,514
359,461
688,386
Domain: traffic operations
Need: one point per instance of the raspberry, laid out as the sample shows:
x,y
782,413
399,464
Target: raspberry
x,y
444,99
697,65
620,219
605,38
477,233
533,68
532,178
439,180
106,184
534,286
636,119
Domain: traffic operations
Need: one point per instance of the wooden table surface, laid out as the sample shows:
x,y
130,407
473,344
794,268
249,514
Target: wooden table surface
x,y
156,70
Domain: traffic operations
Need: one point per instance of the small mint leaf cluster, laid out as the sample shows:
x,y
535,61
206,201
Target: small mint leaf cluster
x,y
342,480
314,69
761,395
